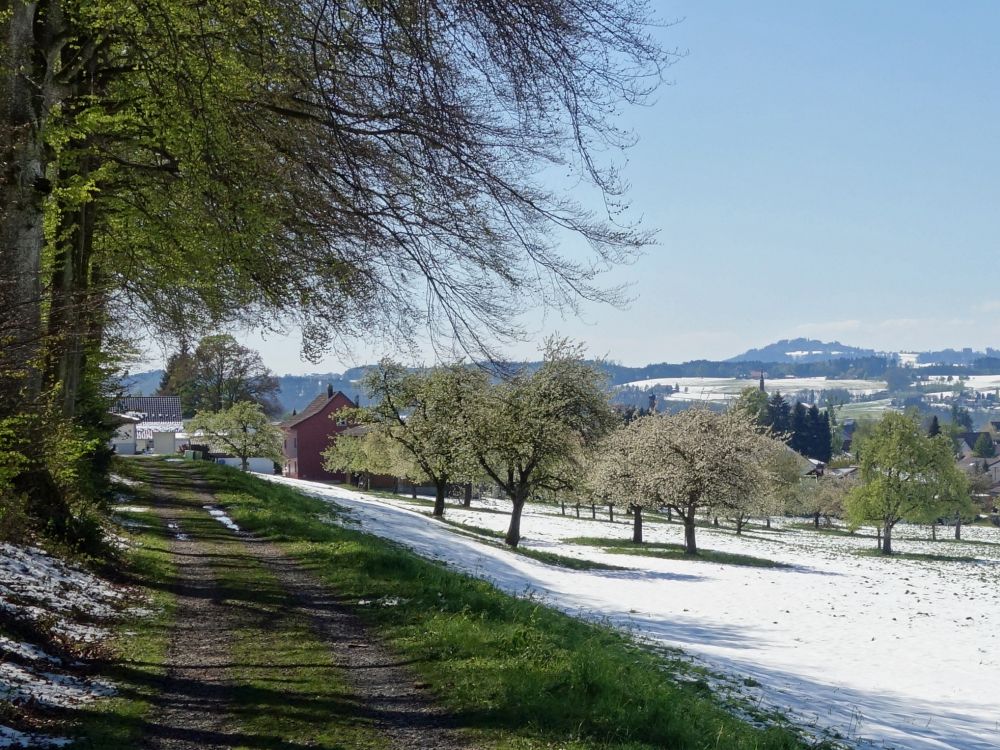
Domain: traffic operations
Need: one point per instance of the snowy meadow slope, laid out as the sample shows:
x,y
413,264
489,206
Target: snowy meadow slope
x,y
884,653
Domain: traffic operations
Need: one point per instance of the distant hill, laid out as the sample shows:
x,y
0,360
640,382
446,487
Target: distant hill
x,y
802,350
142,383
296,390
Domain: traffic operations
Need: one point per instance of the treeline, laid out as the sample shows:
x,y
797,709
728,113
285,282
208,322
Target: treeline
x,y
863,368
807,430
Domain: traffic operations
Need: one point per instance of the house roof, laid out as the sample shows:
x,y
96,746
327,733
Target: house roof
x,y
115,420
313,408
155,408
358,430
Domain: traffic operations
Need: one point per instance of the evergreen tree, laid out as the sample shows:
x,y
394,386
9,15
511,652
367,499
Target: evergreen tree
x,y
801,438
822,448
934,428
779,414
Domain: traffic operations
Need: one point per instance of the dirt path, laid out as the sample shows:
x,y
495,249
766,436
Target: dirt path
x,y
197,708
193,709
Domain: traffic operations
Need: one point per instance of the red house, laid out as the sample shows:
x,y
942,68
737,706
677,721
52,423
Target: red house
x,y
310,432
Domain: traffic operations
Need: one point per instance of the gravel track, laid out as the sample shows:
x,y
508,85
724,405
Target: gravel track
x,y
195,709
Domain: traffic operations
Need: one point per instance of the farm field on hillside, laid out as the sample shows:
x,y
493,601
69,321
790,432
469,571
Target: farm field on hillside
x,y
884,653
724,389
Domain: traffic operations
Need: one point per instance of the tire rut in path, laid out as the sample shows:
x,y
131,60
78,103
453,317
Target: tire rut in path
x,y
389,693
192,711
195,710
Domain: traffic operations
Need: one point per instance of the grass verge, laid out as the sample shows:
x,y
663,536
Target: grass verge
x,y
140,643
672,552
551,558
829,530
513,672
920,556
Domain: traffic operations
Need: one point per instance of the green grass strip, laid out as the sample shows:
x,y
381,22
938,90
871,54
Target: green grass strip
x,y
550,558
139,646
516,673
672,552
919,556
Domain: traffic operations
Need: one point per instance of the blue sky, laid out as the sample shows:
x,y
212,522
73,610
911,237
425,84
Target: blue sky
x,y
813,169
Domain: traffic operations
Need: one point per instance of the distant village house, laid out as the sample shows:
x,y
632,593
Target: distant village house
x,y
309,433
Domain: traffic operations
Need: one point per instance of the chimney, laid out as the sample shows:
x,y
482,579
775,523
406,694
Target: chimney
x,y
329,390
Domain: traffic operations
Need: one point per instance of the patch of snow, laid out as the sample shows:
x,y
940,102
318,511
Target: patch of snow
x,y
891,653
35,585
119,479
174,460
22,685
26,651
221,517
15,739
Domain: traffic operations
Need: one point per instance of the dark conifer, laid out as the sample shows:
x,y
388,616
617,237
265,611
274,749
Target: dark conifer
x,y
934,428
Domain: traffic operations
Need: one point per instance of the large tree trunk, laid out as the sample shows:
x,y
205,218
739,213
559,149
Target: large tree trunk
x,y
637,525
27,95
440,490
514,530
958,526
739,526
934,531
467,501
690,547
887,539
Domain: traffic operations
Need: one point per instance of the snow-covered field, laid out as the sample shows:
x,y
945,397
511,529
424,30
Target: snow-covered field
x,y
50,613
886,653
979,383
725,389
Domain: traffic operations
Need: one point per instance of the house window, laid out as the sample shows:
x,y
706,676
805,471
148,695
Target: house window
x,y
341,423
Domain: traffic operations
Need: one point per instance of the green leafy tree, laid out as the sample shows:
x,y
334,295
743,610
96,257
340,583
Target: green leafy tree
x,y
898,379
984,447
198,164
531,432
421,412
370,452
219,373
242,430
961,418
904,474
753,401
